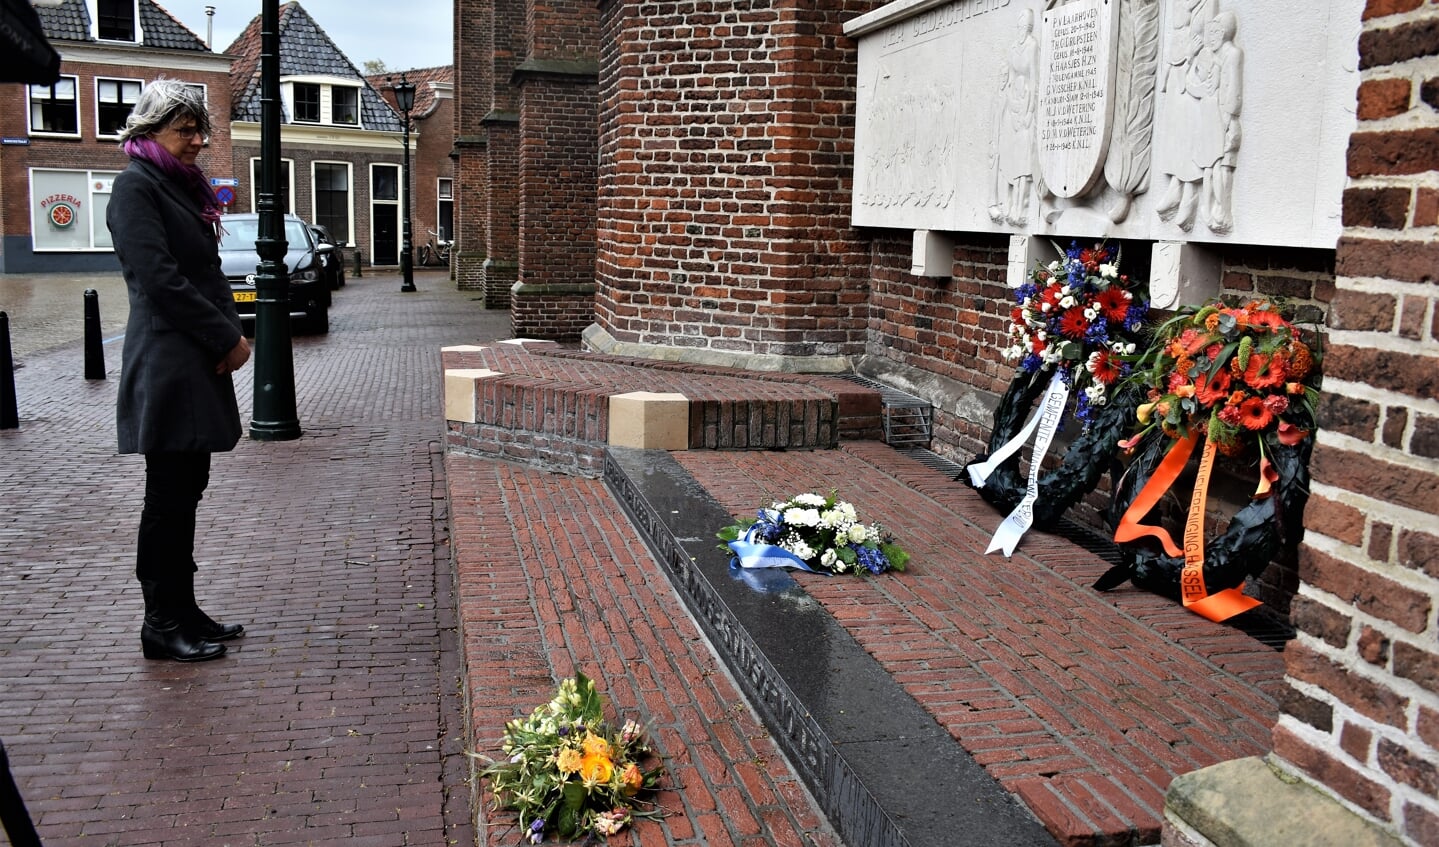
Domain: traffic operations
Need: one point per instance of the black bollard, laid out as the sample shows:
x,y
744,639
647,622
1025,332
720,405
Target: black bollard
x,y
9,412
94,348
359,271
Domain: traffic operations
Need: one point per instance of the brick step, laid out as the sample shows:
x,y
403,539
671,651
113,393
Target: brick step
x,y
557,407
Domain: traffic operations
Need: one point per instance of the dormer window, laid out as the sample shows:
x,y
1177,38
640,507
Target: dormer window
x,y
307,103
345,105
320,101
115,20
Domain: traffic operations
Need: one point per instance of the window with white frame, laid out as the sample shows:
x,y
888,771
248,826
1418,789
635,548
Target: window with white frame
x,y
114,99
307,102
445,208
332,198
321,100
345,105
116,20
55,108
287,185
67,209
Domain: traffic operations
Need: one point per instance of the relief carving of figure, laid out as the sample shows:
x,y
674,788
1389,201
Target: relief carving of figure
x,y
1014,140
1180,85
1219,175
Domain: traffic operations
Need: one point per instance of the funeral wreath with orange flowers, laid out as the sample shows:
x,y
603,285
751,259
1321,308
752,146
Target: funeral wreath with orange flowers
x,y
1234,378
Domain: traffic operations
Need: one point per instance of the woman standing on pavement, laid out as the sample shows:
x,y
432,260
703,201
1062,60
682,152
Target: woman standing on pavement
x,y
176,401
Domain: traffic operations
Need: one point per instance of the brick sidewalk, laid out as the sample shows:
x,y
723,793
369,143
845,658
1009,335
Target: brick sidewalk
x,y
337,719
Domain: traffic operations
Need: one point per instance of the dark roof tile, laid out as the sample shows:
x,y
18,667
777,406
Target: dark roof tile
x,y
70,21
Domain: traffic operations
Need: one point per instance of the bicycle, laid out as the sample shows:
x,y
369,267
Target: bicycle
x,y
437,252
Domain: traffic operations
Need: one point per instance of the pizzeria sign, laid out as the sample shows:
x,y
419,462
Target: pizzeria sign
x,y
61,209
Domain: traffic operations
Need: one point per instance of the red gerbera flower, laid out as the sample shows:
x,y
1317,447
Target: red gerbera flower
x,y
1106,368
1074,324
1113,303
1254,415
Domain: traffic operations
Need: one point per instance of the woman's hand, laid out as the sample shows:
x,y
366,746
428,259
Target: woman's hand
x,y
235,359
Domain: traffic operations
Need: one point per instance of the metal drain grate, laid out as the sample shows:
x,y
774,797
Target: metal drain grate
x,y
1262,623
907,419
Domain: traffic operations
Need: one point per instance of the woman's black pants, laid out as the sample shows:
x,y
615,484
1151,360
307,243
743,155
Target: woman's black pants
x,y
174,484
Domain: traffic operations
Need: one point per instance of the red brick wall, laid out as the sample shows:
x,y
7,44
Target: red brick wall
x,y
474,35
1362,714
431,161
726,148
955,329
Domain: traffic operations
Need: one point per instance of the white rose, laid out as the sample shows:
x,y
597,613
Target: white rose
x,y
858,533
828,558
1109,271
809,500
802,517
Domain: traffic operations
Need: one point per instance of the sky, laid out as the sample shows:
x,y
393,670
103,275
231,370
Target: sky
x,y
403,34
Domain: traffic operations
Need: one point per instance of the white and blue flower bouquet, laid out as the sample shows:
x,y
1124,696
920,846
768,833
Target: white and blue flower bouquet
x,y
812,533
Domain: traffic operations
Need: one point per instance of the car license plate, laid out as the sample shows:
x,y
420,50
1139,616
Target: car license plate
x,y
244,296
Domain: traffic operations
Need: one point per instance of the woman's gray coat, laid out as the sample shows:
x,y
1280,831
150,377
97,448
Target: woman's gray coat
x,y
182,320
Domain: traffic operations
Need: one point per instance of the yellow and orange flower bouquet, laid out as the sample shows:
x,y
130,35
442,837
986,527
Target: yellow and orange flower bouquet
x,y
567,771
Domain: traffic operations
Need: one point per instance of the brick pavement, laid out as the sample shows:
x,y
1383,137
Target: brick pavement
x,y
338,718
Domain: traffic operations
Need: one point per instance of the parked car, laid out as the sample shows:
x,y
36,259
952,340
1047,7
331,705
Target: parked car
x,y
304,259
333,261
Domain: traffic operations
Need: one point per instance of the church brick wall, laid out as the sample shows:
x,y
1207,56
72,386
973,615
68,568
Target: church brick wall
x,y
726,147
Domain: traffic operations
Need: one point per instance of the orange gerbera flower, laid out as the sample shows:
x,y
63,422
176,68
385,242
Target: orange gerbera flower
x,y
1213,390
1267,319
1254,415
1265,371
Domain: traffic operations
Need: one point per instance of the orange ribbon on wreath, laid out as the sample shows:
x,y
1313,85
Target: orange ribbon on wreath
x,y
1221,605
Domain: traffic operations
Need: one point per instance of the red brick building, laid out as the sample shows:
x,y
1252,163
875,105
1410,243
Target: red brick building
x,y
432,127
61,148
673,180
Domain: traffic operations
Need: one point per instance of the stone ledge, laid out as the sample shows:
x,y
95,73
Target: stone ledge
x,y
1247,803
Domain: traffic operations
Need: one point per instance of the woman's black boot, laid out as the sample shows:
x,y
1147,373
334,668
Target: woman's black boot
x,y
199,624
163,635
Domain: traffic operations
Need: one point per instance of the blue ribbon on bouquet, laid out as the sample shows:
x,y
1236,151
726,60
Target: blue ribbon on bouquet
x,y
749,554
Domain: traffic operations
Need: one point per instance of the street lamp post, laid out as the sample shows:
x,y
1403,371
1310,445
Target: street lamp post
x,y
275,418
405,100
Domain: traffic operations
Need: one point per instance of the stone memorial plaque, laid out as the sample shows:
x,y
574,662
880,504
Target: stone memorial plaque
x,y
1076,87
1221,121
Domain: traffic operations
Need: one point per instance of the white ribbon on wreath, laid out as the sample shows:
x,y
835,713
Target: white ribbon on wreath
x,y
1045,420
